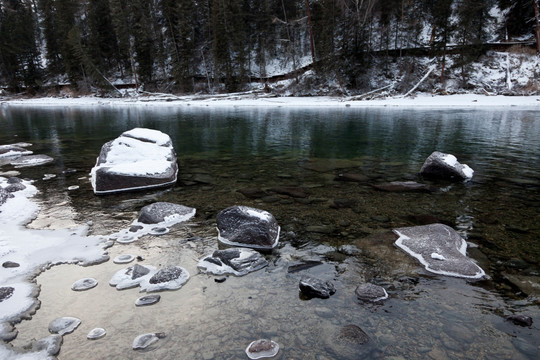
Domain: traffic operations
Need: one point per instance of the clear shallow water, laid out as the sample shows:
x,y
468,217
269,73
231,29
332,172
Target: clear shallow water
x,y
223,151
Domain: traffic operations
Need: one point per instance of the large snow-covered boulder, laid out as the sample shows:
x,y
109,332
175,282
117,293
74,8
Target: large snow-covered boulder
x,y
247,227
138,159
445,166
440,249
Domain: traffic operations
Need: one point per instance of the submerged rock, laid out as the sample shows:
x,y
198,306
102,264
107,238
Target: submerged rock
x,y
440,249
521,320
314,287
247,227
262,348
371,293
96,333
404,186
237,261
84,284
138,159
164,211
123,259
145,340
64,325
445,166
352,335
31,160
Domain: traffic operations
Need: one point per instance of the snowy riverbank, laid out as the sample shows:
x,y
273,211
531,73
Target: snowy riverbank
x,y
256,100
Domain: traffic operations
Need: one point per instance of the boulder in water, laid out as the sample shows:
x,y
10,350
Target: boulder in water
x,y
445,166
163,211
313,287
138,159
371,293
247,227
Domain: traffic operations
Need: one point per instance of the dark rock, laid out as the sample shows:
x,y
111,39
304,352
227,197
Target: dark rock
x,y
14,180
157,212
247,227
351,177
6,292
220,280
292,191
303,266
4,195
321,229
371,293
137,159
313,287
166,274
521,320
138,271
15,187
10,264
404,186
352,334
342,203
253,193
237,261
440,249
147,300
445,166
135,228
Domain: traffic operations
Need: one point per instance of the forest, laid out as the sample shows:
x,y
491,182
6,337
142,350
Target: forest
x,y
198,46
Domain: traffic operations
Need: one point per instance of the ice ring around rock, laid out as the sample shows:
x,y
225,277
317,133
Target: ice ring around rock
x,y
123,259
237,261
96,333
371,293
64,325
440,249
84,284
145,340
262,348
149,278
147,300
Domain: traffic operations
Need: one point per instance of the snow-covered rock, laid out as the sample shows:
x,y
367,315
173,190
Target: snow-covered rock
x,y
138,159
31,160
445,166
13,151
440,249
247,227
236,261
149,278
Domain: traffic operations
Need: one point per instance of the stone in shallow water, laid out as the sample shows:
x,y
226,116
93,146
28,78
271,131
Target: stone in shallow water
x,y
440,249
148,300
84,284
130,277
521,320
404,186
64,325
168,278
352,335
313,287
236,261
145,340
123,259
371,292
96,333
262,348
445,166
247,227
163,211
31,160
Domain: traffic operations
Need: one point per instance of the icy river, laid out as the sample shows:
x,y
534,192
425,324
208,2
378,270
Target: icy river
x,y
293,163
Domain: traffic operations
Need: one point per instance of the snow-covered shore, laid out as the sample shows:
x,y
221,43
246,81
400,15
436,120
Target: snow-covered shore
x,y
252,100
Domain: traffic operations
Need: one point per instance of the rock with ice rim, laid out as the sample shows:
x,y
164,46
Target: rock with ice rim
x,y
369,292
168,278
145,340
50,344
84,284
313,287
247,227
96,333
165,212
131,276
138,159
13,150
440,249
445,166
236,261
262,348
64,325
123,259
148,300
31,160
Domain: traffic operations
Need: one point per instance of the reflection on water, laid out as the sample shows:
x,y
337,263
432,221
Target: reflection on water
x,y
224,152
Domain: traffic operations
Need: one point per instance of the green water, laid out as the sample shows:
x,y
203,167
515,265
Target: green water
x,y
223,151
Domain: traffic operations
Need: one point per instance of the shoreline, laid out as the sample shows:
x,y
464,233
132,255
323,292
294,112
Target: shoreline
x,y
250,100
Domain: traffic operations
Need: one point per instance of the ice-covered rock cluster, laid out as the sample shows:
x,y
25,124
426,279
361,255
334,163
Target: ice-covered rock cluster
x,y
149,278
236,261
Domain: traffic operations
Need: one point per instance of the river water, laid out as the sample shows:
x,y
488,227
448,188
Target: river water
x,y
345,225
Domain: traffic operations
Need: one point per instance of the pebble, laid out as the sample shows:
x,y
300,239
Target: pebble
x,y
64,325
84,284
147,300
96,333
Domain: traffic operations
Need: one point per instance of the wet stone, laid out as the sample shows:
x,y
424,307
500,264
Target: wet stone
x,y
50,344
160,211
404,186
351,177
236,261
168,278
371,293
96,333
10,264
521,320
252,193
148,300
84,284
262,348
292,191
145,340
64,325
445,166
31,160
138,271
313,287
